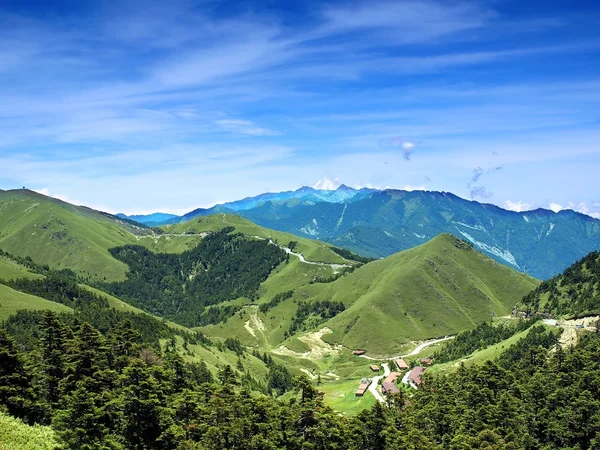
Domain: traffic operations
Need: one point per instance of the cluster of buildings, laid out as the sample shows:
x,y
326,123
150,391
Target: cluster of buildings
x,y
413,377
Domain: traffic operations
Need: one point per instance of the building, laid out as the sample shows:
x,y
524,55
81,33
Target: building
x,y
363,386
359,352
414,377
401,364
374,368
388,386
426,361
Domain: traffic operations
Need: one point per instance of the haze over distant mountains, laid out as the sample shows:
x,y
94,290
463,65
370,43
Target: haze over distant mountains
x,y
378,223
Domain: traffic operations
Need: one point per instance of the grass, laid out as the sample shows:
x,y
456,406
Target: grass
x,y
436,289
11,301
10,270
15,435
481,356
66,236
339,395
312,250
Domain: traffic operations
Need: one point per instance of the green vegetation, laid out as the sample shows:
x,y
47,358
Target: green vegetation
x,y
311,315
275,301
310,249
16,435
574,292
112,392
12,301
482,336
222,267
60,287
439,288
347,254
339,395
61,235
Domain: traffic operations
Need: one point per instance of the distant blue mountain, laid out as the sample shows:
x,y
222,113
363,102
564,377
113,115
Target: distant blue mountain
x,y
304,195
378,223
149,219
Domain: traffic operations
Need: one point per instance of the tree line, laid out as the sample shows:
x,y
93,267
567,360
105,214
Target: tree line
x,y
180,287
111,392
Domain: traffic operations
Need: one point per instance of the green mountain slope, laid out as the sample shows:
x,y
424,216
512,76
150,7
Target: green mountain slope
x,y
62,235
574,292
438,288
11,301
312,250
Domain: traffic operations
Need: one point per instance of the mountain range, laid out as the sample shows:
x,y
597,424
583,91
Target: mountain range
x,y
437,288
377,223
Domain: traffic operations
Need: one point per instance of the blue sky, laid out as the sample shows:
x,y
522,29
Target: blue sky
x,y
147,106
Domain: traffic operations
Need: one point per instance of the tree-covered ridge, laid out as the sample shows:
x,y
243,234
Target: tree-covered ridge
x,y
575,291
347,254
312,314
480,337
224,266
109,392
58,286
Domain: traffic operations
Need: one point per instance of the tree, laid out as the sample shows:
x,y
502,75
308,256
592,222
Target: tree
x,y
14,380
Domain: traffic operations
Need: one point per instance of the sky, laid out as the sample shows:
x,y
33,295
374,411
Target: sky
x,y
144,106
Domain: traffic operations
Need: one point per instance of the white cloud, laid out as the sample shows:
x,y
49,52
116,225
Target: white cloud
x,y
410,188
45,191
555,207
518,206
244,127
327,184
583,208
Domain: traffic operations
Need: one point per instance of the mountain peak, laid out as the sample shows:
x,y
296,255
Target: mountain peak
x,y
344,188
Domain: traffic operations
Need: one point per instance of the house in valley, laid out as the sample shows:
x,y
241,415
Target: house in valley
x,y
401,364
363,386
388,386
414,377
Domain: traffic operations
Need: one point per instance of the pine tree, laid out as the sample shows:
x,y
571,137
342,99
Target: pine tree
x,y
14,381
53,364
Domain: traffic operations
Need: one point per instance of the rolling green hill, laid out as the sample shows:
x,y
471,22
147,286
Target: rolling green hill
x,y
438,288
62,235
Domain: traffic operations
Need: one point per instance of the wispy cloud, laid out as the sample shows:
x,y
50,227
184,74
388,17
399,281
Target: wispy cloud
x,y
244,127
147,95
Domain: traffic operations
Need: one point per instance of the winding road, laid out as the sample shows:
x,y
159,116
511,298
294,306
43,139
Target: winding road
x,y
373,388
300,256
375,383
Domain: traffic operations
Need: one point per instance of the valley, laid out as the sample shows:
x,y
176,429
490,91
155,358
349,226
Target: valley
x,y
220,291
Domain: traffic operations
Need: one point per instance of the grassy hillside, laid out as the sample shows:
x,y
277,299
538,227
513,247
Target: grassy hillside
x,y
310,249
574,292
63,235
438,288
11,301
9,270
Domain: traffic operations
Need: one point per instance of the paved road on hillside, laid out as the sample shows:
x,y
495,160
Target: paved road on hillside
x,y
417,349
375,384
300,256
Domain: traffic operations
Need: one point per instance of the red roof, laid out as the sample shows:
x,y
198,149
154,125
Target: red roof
x,y
362,388
416,374
401,364
374,368
389,388
359,352
427,361
392,377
